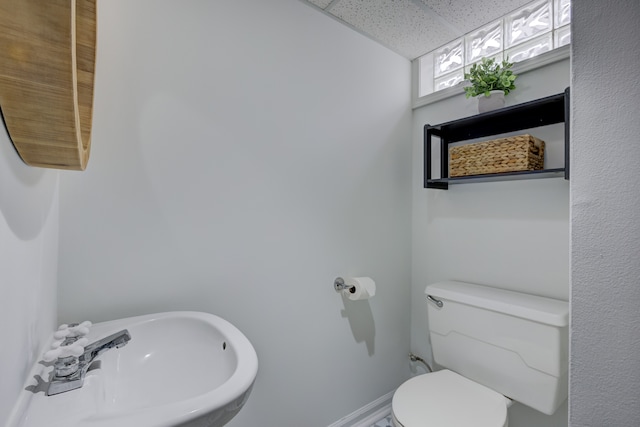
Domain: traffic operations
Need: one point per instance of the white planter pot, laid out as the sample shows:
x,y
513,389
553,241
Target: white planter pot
x,y
494,101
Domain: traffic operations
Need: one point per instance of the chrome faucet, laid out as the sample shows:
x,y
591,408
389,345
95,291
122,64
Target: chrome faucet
x,y
69,371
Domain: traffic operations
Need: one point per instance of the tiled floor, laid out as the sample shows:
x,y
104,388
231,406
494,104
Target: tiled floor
x,y
384,422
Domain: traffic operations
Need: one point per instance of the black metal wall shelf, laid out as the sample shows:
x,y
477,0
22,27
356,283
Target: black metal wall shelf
x,y
541,112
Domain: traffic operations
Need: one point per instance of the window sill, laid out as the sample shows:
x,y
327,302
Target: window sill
x,y
539,61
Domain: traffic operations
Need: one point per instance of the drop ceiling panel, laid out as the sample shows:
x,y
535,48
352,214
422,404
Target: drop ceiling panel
x,y
468,15
406,26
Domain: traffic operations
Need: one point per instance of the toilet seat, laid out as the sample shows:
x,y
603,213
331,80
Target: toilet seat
x,y
447,399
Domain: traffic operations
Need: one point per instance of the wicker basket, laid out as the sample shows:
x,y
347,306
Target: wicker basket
x,y
512,154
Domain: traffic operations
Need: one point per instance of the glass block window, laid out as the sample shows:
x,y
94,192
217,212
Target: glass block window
x,y
538,27
484,42
449,80
530,49
562,36
448,58
562,13
528,22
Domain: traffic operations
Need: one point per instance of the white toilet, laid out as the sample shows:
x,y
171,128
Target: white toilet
x,y
495,345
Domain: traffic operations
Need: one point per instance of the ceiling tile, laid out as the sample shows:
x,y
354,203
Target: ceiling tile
x,y
468,15
320,3
403,25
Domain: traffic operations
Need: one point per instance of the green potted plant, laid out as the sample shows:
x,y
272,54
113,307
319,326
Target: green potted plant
x,y
490,82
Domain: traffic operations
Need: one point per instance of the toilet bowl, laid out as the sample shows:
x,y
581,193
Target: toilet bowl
x,y
447,399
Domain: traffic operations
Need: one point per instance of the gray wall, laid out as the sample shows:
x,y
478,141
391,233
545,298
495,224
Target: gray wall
x,y
245,153
512,235
605,201
28,268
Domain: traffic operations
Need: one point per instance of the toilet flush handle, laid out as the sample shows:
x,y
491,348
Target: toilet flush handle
x,y
437,302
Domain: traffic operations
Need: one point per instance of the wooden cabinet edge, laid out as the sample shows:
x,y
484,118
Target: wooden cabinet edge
x,y
47,69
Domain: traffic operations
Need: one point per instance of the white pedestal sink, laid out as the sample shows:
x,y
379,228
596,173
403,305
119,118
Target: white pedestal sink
x,y
179,369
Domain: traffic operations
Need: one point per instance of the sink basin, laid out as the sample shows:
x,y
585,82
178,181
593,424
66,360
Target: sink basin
x,y
187,369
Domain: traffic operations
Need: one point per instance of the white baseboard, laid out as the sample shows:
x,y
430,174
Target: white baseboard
x,y
368,414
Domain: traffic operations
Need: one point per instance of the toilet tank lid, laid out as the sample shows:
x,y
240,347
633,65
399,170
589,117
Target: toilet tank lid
x,y
531,307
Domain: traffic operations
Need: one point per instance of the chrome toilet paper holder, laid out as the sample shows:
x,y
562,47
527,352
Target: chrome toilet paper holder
x,y
339,285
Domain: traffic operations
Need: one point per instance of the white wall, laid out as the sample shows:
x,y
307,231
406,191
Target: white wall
x,y
605,202
244,154
513,235
28,268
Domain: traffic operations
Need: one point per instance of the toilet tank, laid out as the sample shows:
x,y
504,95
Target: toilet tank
x,y
514,343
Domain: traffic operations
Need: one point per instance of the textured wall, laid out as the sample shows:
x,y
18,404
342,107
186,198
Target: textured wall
x,y
605,202
245,153
28,268
513,235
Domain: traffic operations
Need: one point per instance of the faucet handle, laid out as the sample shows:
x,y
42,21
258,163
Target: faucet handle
x,y
73,330
72,350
